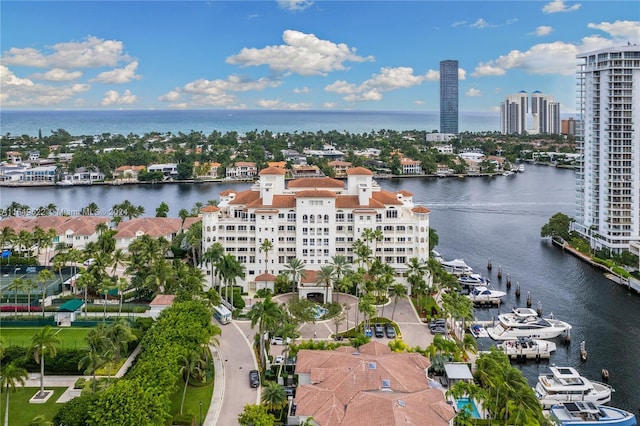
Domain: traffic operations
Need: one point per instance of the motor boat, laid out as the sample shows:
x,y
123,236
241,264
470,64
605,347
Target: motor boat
x,y
565,384
482,294
525,348
587,413
525,322
472,280
521,168
456,267
478,331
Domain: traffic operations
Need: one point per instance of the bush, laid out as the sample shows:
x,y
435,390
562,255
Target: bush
x,y
64,363
263,292
75,412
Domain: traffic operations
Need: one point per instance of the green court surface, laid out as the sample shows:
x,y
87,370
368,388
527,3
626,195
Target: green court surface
x,y
70,338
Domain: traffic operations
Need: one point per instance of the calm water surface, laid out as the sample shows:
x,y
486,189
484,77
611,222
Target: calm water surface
x,y
476,219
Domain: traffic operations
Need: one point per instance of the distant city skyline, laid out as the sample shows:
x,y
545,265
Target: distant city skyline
x,y
297,54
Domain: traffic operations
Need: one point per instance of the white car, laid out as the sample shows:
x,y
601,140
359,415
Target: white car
x,y
277,341
89,262
279,359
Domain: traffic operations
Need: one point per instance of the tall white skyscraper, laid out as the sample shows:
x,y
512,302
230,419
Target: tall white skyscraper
x,y
513,113
608,175
546,114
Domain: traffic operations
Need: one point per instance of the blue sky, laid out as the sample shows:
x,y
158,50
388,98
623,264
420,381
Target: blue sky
x,y
297,54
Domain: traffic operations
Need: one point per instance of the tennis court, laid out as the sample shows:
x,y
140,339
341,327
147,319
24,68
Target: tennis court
x,y
30,282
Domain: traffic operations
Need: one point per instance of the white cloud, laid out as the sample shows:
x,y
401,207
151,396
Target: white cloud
x,y
543,30
278,104
171,96
462,74
295,5
18,91
303,54
371,90
558,6
544,58
432,75
458,23
119,75
112,97
329,105
301,90
480,24
419,102
629,30
473,92
58,74
93,52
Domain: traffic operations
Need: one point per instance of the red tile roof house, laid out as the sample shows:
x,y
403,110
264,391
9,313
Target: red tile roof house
x,y
159,303
155,227
372,386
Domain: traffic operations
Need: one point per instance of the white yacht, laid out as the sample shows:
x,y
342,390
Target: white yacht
x,y
525,348
588,414
482,294
456,266
565,384
525,322
472,280
521,168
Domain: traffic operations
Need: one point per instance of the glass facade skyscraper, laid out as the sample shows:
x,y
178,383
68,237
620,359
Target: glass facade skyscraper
x,y
449,96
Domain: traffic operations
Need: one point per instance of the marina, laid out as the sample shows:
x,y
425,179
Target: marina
x,y
526,348
565,384
588,414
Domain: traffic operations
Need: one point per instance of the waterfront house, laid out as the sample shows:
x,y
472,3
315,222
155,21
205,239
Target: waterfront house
x,y
14,157
346,387
205,169
411,167
83,176
41,174
242,170
128,172
10,172
156,227
169,170
302,171
339,168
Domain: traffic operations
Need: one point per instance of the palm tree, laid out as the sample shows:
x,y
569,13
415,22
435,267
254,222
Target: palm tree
x,y
49,235
121,286
399,291
212,256
44,276
59,262
118,259
230,270
190,366
44,342
120,334
91,209
266,247
98,344
382,284
362,252
105,286
273,396
341,267
16,285
295,267
11,376
85,281
325,276
267,314
7,235
29,286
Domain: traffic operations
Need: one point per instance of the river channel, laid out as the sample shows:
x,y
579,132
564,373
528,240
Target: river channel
x,y
476,219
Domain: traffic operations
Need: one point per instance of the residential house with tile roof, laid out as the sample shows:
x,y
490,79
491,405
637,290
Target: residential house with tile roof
x,y
156,227
370,386
314,219
242,170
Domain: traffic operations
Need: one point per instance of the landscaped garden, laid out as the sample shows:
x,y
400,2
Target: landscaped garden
x,y
22,413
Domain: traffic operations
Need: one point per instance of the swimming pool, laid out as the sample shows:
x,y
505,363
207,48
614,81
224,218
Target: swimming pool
x,y
320,312
469,405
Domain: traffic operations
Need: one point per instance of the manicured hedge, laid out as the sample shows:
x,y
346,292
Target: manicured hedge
x,y
64,363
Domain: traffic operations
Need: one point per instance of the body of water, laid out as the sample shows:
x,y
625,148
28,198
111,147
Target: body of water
x,y
476,219
87,122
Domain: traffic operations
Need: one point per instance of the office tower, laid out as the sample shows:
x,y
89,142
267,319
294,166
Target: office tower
x,y
449,96
513,114
568,127
608,174
546,114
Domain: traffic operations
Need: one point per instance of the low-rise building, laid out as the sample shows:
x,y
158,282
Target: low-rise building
x,y
339,168
242,170
411,167
168,169
41,174
128,172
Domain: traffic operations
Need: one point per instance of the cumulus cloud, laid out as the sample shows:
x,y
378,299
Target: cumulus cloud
x,y
91,53
629,30
458,23
278,104
480,24
112,97
329,105
558,6
119,75
295,5
58,74
473,92
301,90
171,96
433,75
371,90
303,54
544,58
18,91
462,74
543,30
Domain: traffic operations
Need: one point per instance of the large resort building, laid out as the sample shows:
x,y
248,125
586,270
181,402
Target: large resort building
x,y
314,219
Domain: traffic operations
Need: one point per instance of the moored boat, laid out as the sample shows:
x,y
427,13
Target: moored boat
x,y
472,280
456,266
525,348
484,295
525,322
565,384
587,413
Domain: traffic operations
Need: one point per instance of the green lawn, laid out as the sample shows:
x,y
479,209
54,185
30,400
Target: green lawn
x,y
70,338
21,412
195,395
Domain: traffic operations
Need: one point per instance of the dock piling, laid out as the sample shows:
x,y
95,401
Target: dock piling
x,y
489,264
517,289
499,272
528,299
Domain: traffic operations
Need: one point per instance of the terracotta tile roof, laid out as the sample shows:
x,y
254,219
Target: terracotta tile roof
x,y
405,193
352,202
189,221
245,164
226,192
265,277
163,299
319,182
310,277
78,225
338,163
278,202
316,193
272,171
386,197
209,209
420,209
152,226
132,168
359,171
245,197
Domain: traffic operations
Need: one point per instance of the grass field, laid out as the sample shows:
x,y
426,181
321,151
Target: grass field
x,y
21,412
195,395
70,338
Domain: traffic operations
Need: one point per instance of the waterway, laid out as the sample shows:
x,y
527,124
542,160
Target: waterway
x,y
476,219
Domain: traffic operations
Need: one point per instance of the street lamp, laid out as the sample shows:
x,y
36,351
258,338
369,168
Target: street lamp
x,y
200,413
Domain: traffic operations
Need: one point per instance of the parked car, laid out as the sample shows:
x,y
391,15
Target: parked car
x,y
279,359
440,322
254,378
89,262
390,330
378,329
277,341
439,330
290,391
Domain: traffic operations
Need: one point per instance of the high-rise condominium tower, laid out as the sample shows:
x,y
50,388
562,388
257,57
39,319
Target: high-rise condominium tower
x,y
449,96
608,175
513,114
546,114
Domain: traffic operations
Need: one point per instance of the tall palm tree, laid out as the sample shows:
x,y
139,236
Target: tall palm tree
x,y
266,247
120,335
191,365
7,236
267,314
325,277
118,259
121,286
44,342
212,256
382,284
399,291
362,253
341,267
98,344
59,262
44,276
39,236
83,282
296,269
273,396
230,269
15,286
29,286
10,377
105,286
49,235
